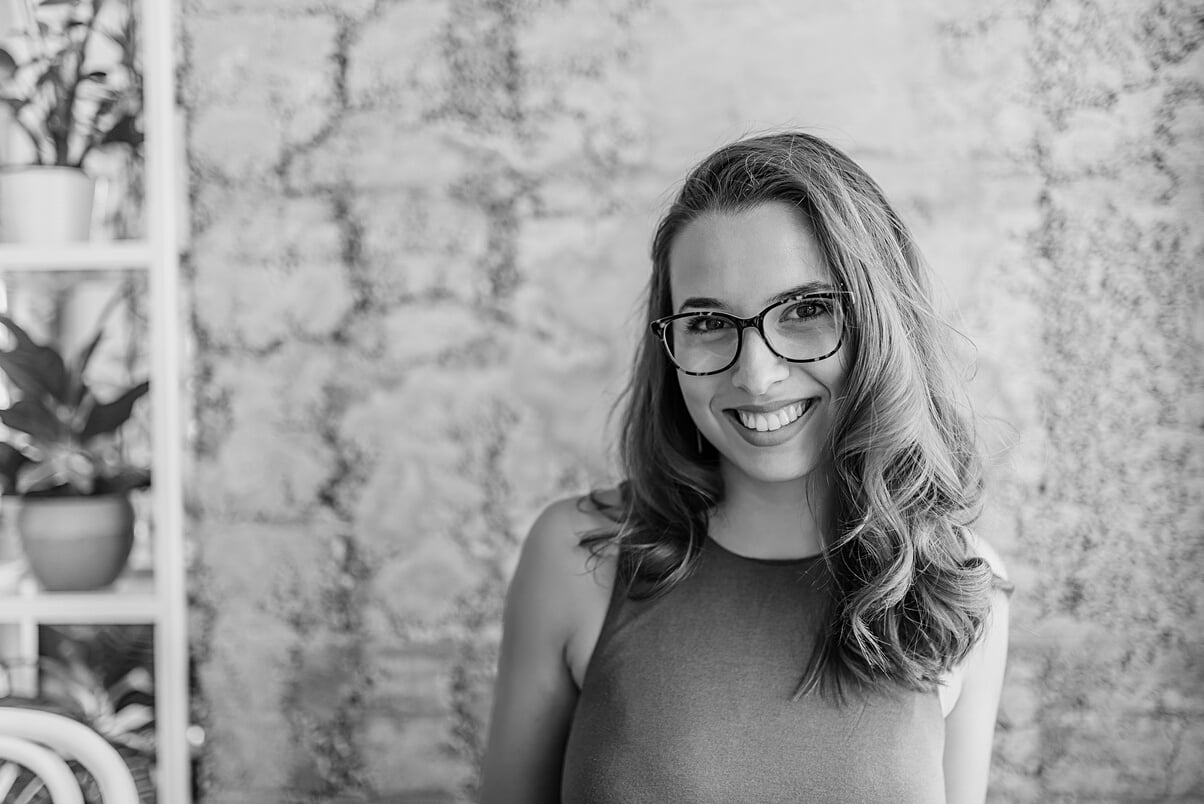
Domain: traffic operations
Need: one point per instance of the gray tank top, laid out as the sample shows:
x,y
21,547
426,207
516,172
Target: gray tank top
x,y
687,698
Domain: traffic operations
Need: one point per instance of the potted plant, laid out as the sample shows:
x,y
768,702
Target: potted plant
x,y
99,675
71,83
65,463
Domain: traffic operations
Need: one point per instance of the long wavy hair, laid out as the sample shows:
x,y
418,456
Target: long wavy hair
x,y
908,599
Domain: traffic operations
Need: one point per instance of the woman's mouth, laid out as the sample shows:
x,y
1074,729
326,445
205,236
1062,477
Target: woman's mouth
x,y
770,420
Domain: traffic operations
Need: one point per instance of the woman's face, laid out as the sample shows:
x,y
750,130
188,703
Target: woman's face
x,y
740,263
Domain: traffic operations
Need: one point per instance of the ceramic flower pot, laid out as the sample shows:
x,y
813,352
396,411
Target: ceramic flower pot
x,y
76,544
45,205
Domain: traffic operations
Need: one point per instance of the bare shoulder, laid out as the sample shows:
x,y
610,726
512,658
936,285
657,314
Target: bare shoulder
x,y
568,582
991,649
993,642
983,549
555,539
970,699
555,567
551,602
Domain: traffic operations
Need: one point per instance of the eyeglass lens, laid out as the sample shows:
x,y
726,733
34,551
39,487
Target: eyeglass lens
x,y
798,329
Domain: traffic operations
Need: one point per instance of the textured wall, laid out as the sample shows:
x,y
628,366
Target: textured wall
x,y
420,236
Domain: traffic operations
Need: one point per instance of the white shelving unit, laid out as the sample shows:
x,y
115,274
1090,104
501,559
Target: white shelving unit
x,y
77,257
158,597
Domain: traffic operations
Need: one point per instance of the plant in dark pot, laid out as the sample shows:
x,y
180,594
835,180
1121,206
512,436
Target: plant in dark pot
x,y
70,81
64,461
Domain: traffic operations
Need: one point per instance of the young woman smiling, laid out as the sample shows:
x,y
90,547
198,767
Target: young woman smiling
x,y
782,601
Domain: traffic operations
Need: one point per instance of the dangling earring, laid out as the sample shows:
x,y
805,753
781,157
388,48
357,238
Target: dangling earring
x,y
698,439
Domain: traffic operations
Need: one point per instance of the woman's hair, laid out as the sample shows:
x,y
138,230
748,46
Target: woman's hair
x,y
908,599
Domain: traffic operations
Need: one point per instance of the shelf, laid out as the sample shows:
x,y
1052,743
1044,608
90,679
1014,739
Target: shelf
x,y
130,600
139,597
126,255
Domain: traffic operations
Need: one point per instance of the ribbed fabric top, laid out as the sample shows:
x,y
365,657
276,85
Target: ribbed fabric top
x,y
687,698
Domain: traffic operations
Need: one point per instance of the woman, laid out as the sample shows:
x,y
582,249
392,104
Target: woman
x,y
781,602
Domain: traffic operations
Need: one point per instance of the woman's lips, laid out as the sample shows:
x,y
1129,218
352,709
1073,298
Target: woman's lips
x,y
767,425
771,420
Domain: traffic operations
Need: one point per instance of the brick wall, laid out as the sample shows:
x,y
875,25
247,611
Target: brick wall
x,y
420,235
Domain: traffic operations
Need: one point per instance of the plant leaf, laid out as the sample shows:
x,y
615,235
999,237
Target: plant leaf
x,y
76,387
35,369
8,65
108,417
122,481
125,130
11,461
31,416
132,717
40,477
63,466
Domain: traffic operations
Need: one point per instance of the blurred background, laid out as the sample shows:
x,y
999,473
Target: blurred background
x,y
416,241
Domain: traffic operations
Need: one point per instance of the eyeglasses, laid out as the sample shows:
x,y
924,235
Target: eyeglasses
x,y
801,329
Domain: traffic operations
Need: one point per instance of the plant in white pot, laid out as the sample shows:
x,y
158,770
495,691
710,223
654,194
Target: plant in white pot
x,y
70,80
64,461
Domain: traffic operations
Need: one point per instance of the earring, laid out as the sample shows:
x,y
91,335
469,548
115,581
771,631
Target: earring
x,y
698,439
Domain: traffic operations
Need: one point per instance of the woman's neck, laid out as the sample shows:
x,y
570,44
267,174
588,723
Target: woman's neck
x,y
773,520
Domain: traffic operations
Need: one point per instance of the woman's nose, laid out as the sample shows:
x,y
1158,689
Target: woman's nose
x,y
758,368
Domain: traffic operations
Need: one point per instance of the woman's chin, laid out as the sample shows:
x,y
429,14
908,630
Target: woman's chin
x,y
769,469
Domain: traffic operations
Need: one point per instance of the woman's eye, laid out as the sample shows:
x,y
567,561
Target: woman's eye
x,y
804,310
703,324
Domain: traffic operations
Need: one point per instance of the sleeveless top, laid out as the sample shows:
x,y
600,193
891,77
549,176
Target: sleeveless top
x,y
687,698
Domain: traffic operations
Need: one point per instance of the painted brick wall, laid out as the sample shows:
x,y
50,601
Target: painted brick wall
x,y
420,236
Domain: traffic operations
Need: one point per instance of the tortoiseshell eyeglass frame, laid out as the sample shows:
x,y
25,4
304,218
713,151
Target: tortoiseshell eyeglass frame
x,y
660,329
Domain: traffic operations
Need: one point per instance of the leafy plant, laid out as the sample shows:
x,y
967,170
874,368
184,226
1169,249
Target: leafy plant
x,y
108,686
64,442
66,92
100,676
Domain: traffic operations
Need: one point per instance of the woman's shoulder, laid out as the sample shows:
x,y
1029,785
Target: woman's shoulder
x,y
562,585
978,547
981,548
561,534
551,606
566,552
993,641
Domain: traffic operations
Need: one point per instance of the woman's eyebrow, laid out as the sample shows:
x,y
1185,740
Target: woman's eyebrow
x,y
711,303
703,302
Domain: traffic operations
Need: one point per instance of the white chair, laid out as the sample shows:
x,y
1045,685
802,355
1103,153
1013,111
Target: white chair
x,y
47,766
29,736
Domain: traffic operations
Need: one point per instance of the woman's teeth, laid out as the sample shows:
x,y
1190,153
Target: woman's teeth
x,y
774,420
